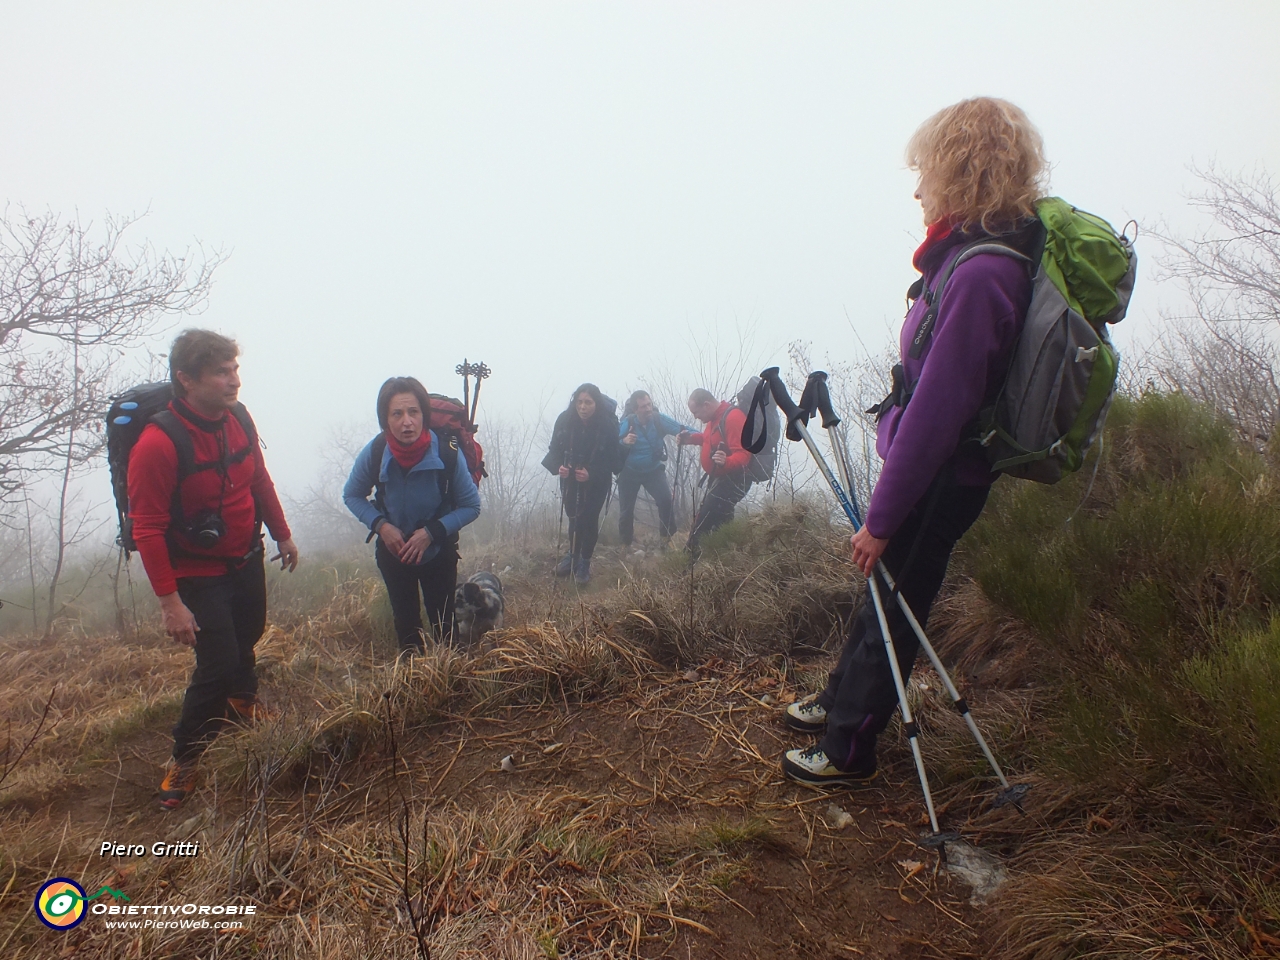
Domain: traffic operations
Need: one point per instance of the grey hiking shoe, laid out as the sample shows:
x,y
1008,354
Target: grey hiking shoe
x,y
582,571
807,716
565,566
812,767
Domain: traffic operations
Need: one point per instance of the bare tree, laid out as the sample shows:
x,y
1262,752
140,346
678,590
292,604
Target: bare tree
x,y
72,298
516,484
855,386
320,513
1224,353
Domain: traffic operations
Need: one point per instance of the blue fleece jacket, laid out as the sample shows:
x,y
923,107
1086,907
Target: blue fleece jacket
x,y
646,455
412,499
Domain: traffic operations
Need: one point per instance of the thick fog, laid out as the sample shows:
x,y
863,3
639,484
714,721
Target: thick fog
x,y
585,191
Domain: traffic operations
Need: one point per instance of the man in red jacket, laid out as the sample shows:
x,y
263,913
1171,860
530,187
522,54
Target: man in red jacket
x,y
724,460
199,493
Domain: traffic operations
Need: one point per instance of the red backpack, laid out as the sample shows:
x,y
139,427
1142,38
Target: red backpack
x,y
449,419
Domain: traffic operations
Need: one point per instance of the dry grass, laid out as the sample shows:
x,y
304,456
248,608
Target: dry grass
x,y
645,795
373,811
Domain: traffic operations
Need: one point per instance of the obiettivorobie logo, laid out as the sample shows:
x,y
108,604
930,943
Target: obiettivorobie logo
x,y
60,903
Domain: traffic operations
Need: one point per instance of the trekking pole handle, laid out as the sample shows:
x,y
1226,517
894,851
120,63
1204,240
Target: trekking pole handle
x,y
783,399
819,399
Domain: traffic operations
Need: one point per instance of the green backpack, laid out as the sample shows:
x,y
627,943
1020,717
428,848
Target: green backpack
x,y
1062,376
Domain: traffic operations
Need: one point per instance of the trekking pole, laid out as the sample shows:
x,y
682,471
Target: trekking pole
x,y
797,430
817,397
481,372
464,371
675,488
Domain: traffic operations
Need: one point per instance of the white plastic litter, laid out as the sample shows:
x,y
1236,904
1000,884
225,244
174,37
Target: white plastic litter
x,y
837,817
980,870
509,763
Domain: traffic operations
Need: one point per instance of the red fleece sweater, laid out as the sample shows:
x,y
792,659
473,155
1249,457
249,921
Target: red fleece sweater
x,y
249,492
710,437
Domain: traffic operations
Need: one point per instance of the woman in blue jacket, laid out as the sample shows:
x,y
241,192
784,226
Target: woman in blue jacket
x,y
642,432
423,495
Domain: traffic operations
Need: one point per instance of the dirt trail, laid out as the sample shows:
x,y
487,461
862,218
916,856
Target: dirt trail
x,y
688,768
706,752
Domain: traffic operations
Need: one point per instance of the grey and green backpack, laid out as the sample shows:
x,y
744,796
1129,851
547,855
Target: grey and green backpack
x,y
1062,376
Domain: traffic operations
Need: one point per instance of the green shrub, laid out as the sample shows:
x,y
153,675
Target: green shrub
x,y
1150,585
1239,683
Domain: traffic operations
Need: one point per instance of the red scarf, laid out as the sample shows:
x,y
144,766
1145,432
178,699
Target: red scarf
x,y
409,455
938,231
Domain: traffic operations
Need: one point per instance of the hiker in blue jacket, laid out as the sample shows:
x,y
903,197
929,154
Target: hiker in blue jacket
x,y
641,433
423,495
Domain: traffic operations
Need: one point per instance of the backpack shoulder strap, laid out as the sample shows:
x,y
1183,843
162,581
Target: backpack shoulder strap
x,y
185,447
246,424
377,448
178,435
933,297
449,457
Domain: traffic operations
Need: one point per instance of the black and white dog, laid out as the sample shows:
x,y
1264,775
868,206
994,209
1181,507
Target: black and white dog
x,y
477,606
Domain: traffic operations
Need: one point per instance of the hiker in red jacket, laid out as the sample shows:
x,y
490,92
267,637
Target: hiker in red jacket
x,y
724,460
197,511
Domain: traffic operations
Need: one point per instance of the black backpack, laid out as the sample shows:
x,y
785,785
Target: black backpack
x,y
128,416
760,432
450,444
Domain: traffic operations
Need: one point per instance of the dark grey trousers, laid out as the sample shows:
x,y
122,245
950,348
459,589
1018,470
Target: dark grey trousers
x,y
655,482
723,494
231,612
860,696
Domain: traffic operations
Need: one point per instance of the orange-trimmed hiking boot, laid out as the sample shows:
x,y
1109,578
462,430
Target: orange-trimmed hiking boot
x,y
179,783
249,710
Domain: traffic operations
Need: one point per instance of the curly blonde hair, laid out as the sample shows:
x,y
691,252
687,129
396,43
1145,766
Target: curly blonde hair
x,y
981,164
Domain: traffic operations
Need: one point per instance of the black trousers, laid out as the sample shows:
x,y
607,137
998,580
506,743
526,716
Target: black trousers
x,y
582,505
436,579
860,696
723,494
655,483
231,612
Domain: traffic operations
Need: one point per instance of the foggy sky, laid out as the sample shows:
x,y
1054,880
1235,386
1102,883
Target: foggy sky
x,y
563,190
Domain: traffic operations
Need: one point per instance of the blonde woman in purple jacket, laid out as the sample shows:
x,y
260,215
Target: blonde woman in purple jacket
x,y
981,169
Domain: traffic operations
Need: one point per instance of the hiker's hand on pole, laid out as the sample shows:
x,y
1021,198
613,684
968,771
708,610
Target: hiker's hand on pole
x,y
682,438
415,546
867,550
179,622
564,473
581,475
392,537
287,555
630,439
719,457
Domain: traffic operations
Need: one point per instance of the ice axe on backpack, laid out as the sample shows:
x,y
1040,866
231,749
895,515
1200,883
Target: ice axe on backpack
x,y
816,399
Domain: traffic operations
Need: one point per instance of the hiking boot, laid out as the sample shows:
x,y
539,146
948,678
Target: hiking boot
x,y
807,716
582,572
179,783
565,566
812,767
249,710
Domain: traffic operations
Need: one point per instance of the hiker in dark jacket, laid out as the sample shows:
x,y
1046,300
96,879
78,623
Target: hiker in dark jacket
x,y
981,170
584,455
423,496
723,458
642,431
